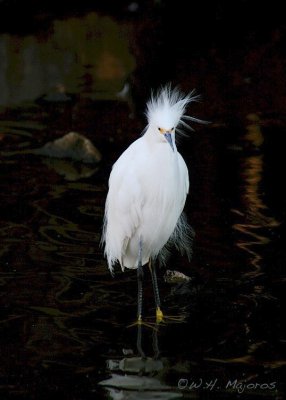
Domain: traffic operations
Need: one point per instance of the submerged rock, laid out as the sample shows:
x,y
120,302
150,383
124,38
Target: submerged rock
x,y
74,146
138,383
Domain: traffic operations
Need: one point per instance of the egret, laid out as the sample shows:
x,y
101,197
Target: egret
x,y
148,186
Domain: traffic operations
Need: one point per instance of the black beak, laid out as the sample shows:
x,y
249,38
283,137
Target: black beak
x,y
169,139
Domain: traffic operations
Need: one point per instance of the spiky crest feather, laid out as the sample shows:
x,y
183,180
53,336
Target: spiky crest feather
x,y
168,107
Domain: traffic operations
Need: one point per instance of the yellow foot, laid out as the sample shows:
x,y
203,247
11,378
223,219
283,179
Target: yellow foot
x,y
139,322
161,318
159,315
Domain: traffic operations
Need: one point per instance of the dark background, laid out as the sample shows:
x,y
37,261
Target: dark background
x,y
63,67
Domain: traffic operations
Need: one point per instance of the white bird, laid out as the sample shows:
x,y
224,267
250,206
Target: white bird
x,y
148,186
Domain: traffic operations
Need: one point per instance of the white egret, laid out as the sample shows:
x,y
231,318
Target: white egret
x,y
148,186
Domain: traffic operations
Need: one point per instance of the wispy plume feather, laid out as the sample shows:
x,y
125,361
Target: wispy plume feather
x,y
182,238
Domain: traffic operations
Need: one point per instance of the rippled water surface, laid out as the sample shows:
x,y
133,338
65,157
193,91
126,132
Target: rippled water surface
x,y
64,319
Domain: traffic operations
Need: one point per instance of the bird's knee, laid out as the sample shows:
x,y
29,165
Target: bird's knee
x,y
140,273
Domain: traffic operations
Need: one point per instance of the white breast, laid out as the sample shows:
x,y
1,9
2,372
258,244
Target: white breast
x,y
145,200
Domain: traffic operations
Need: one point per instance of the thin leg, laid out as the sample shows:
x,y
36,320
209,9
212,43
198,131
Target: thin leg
x,y
140,293
159,314
155,342
139,341
140,283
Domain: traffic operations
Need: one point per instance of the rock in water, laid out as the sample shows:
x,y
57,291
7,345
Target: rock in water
x,y
73,146
176,277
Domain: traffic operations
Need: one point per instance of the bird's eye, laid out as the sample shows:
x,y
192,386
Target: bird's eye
x,y
159,129
172,129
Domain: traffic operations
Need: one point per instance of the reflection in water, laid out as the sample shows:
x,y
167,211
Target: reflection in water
x,y
70,170
139,377
254,209
88,54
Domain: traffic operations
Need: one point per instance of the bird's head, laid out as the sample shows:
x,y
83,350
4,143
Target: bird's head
x,y
166,114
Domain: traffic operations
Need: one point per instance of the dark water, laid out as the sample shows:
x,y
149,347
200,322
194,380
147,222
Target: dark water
x,y
64,319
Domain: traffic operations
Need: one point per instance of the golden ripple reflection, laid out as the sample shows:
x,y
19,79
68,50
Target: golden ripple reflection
x,y
257,221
